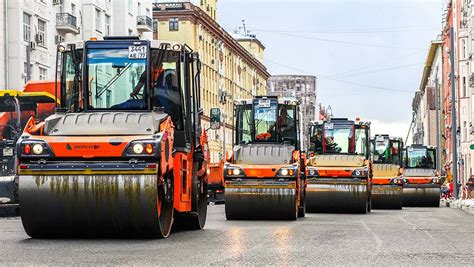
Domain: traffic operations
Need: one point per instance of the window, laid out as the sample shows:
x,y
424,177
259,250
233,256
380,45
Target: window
x,y
112,91
73,9
98,20
28,73
464,87
107,25
420,158
60,7
26,27
155,25
43,73
174,24
41,36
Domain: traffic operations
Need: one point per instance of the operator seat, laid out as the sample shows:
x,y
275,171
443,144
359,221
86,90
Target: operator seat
x,y
168,96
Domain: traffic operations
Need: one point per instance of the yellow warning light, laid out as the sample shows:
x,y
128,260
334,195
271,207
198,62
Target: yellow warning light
x,y
93,39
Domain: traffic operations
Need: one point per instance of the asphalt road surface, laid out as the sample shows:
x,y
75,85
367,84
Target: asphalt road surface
x,y
412,236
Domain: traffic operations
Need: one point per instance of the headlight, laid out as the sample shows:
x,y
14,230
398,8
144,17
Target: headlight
x,y
287,172
38,149
137,148
34,149
310,172
360,173
436,180
144,148
236,172
233,172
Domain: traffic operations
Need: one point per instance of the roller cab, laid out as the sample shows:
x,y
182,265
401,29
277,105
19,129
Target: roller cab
x,y
387,181
339,172
422,183
264,179
124,154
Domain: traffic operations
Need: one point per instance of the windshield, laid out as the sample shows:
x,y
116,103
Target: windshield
x,y
420,158
385,151
265,118
333,138
113,75
268,121
337,138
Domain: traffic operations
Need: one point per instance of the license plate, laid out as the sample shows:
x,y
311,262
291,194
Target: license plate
x,y
264,103
8,152
137,52
328,126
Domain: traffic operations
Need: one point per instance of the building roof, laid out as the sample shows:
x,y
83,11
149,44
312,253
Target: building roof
x,y
428,64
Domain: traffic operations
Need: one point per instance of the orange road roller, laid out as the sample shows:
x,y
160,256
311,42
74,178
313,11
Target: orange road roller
x,y
339,171
124,154
422,187
264,178
387,183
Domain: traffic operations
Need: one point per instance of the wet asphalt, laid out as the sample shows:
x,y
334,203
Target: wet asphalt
x,y
412,236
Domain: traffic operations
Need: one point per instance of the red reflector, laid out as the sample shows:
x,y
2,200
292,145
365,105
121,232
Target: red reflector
x,y
152,166
23,167
27,149
219,191
149,148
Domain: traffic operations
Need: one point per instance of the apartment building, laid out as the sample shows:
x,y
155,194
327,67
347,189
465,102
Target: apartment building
x,y
31,29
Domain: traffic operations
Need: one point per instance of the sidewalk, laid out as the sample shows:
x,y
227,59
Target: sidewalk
x,y
466,205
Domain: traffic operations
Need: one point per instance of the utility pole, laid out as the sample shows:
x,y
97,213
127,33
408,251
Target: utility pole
x,y
438,134
454,126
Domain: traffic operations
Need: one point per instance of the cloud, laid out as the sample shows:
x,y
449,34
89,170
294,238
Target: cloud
x,y
394,129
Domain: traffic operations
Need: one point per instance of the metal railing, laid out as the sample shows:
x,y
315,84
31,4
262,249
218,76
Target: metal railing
x,y
144,21
66,19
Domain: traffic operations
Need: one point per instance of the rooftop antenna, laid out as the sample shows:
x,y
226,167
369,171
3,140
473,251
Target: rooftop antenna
x,y
244,27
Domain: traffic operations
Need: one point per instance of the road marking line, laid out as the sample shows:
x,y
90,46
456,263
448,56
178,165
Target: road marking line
x,y
376,237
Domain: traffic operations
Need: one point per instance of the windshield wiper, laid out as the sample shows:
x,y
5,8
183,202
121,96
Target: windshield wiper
x,y
111,81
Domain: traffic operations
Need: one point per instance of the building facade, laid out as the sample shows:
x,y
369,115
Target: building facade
x,y
424,103
230,69
31,30
304,89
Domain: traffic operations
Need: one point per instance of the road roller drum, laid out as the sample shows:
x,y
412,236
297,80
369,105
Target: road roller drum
x,y
99,205
337,197
387,196
421,196
261,203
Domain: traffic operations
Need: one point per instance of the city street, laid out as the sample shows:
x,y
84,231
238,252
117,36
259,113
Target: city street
x,y
415,236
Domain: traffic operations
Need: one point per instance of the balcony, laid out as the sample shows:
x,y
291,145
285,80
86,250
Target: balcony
x,y
144,24
66,23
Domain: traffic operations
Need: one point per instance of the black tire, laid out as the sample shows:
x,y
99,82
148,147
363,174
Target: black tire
x,y
363,209
166,199
369,205
302,207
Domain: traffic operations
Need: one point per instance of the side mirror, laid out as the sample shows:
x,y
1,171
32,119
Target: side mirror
x,y
215,118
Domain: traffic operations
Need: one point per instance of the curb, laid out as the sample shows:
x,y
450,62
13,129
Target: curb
x,y
466,205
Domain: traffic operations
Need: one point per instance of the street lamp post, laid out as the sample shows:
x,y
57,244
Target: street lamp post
x,y
453,115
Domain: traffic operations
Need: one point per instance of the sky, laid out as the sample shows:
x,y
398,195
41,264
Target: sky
x,y
368,55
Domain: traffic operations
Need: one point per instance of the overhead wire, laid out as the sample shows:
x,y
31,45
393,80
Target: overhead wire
x,y
342,81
